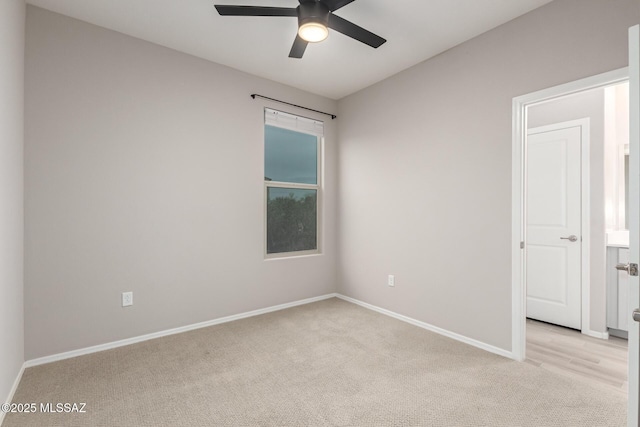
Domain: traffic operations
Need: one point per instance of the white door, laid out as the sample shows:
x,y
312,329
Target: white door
x,y
634,219
554,222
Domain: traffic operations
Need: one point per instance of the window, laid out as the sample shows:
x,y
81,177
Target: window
x,y
292,147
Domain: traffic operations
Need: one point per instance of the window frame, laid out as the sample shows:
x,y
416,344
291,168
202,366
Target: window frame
x,y
318,187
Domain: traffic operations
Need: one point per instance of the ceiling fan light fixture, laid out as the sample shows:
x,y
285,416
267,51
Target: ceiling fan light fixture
x,y
313,32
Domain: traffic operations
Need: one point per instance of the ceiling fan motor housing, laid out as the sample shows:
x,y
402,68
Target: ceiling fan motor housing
x,y
313,12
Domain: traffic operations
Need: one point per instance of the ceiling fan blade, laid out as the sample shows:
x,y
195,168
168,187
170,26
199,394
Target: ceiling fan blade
x,y
229,10
334,5
355,32
298,48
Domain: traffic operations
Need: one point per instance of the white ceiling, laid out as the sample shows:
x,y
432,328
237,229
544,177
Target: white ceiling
x,y
415,31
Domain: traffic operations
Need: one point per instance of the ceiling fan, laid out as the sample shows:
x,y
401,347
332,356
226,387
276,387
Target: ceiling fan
x,y
315,17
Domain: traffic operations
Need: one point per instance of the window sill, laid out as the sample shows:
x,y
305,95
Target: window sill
x,y
292,255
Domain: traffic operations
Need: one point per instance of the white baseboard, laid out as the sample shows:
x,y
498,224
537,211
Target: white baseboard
x,y
429,327
12,392
133,340
594,334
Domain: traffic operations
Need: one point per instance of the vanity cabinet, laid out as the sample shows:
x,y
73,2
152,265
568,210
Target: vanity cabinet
x,y
617,292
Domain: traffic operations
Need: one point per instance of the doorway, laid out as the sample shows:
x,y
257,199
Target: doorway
x,y
521,107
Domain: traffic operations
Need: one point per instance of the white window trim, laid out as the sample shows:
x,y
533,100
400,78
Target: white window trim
x,y
318,128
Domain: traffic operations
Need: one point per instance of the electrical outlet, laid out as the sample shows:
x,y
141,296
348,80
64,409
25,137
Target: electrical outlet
x,y
391,280
127,299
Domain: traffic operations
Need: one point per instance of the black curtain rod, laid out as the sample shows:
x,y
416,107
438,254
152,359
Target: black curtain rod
x,y
253,95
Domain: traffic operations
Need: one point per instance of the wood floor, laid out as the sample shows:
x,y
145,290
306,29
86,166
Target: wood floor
x,y
601,363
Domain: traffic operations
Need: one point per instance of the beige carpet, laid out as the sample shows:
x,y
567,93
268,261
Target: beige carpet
x,y
330,363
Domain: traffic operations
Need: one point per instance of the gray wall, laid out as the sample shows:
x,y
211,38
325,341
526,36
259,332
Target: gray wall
x,y
588,104
144,170
144,173
12,17
425,165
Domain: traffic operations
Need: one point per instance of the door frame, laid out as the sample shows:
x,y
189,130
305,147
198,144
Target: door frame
x,y
518,223
633,221
585,212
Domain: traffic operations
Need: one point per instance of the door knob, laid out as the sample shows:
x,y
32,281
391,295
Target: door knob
x,y
572,238
630,268
636,314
